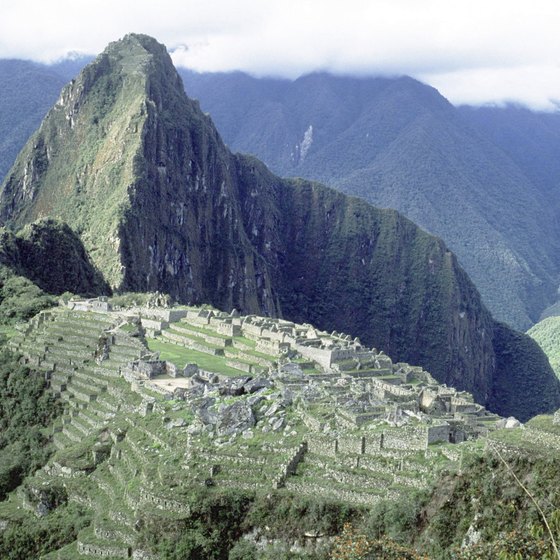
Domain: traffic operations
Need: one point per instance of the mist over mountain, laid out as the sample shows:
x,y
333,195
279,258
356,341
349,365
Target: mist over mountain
x,y
489,191
159,202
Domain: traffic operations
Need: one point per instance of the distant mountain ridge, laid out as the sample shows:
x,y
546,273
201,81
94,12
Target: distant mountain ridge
x,y
27,91
399,144
141,174
483,179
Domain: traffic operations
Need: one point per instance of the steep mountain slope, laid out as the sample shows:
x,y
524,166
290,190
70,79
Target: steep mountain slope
x,y
141,174
52,256
547,335
398,143
531,139
440,172
27,91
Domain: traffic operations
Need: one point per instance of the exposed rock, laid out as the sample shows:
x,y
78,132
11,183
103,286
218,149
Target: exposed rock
x,y
509,423
257,384
256,398
190,370
277,424
177,423
204,410
273,409
291,369
233,386
45,498
236,418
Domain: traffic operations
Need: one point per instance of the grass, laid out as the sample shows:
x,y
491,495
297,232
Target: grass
x,y
245,340
8,331
544,423
547,335
198,329
181,356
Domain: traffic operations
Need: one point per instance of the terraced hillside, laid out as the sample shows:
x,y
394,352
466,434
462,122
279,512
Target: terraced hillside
x,y
162,405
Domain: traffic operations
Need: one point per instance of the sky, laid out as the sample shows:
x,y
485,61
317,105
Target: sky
x,y
472,51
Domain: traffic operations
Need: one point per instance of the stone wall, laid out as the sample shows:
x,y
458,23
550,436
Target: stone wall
x,y
315,490
103,551
340,354
241,366
228,329
311,422
162,314
199,316
272,347
353,445
154,326
252,331
321,356
438,434
192,344
167,504
405,438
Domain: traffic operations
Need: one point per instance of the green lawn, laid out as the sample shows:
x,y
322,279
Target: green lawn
x,y
198,329
8,330
181,356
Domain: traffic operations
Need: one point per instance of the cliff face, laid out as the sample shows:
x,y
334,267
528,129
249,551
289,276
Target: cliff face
x,y
140,173
52,256
484,180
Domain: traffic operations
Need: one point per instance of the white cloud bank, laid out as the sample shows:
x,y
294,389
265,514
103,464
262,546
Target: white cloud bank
x,y
473,51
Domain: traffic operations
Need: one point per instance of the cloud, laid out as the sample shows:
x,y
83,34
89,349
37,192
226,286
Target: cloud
x,y
535,86
475,51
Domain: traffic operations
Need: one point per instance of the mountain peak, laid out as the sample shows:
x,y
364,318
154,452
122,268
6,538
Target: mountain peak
x,y
134,55
135,44
141,175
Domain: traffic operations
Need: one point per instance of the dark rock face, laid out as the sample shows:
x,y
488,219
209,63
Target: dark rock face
x,y
52,256
235,419
128,161
483,179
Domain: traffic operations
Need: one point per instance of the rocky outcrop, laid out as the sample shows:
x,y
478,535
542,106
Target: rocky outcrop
x,y
134,166
53,257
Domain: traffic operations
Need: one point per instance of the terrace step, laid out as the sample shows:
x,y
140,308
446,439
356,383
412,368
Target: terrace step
x,y
194,343
61,440
89,545
72,433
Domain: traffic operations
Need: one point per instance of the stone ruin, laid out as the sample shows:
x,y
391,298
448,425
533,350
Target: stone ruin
x,y
319,369
286,407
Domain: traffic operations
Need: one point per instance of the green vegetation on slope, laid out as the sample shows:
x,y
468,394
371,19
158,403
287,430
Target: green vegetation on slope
x,y
25,410
547,335
522,381
33,537
20,299
486,497
399,144
27,92
52,256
